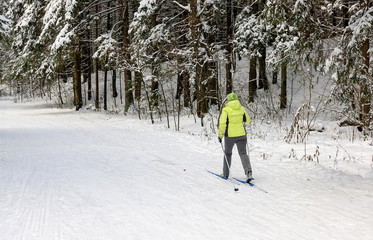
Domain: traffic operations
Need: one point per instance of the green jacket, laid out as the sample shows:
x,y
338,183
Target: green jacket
x,y
232,120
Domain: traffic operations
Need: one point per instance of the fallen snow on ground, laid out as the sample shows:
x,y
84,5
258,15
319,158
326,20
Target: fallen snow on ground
x,y
90,176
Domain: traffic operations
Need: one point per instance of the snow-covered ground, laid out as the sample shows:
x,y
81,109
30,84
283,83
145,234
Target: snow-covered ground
x,y
67,175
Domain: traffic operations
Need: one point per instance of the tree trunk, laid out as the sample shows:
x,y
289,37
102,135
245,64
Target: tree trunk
x,y
97,101
184,73
154,87
138,75
77,79
90,79
114,83
274,76
138,80
194,28
128,94
186,86
204,93
213,83
198,90
195,34
108,23
59,90
283,95
105,90
179,85
229,48
366,96
202,106
155,84
345,15
253,62
252,80
114,75
263,81
88,65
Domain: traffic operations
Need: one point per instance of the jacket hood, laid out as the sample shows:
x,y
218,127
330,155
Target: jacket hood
x,y
235,104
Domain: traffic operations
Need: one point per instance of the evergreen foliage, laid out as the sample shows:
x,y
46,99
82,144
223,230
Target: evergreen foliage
x,y
154,42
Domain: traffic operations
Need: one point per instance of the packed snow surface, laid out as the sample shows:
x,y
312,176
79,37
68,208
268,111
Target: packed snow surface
x,y
68,175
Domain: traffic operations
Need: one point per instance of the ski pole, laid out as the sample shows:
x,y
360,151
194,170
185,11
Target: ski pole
x,y
229,169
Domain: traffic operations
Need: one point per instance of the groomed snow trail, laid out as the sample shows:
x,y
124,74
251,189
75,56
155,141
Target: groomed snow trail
x,y
67,175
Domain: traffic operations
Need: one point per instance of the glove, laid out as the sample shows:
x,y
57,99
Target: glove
x,y
219,138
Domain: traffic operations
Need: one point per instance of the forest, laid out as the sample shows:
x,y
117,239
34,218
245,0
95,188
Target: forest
x,y
157,58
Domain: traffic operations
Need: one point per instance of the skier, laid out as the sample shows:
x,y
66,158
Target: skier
x,y
232,120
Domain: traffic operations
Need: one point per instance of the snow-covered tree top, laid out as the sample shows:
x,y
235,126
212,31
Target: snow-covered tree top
x,y
52,16
60,13
62,39
27,17
107,48
147,8
69,7
4,24
360,23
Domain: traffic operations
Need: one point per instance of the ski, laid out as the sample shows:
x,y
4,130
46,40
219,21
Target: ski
x,y
250,184
218,175
239,181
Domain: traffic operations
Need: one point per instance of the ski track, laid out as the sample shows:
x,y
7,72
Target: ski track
x,y
66,175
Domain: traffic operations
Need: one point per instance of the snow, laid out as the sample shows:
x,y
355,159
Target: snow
x,y
90,176
4,24
107,46
186,8
52,16
63,38
361,22
27,17
146,7
69,6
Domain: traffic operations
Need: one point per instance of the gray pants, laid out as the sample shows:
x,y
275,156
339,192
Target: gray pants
x,y
241,146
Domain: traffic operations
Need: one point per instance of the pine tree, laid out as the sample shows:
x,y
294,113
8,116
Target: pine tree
x,y
351,63
4,40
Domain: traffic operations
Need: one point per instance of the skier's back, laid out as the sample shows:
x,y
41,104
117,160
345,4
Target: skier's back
x,y
231,127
